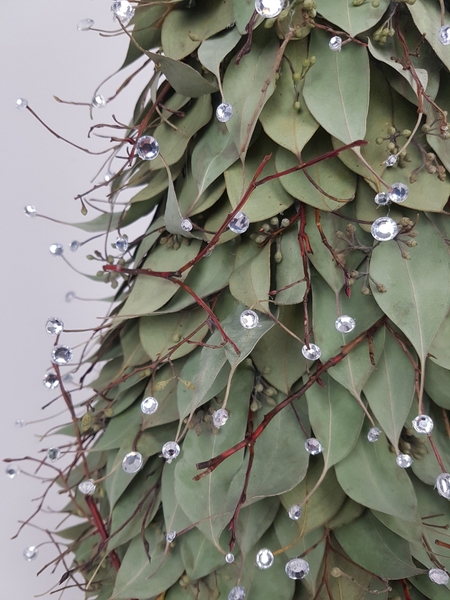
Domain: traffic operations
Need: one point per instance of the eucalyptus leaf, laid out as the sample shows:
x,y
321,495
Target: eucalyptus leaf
x,y
250,282
352,18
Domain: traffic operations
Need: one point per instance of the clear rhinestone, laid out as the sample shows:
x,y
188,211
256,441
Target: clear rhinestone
x,y
438,576
311,353
30,553
391,160
61,355
382,199
398,192
170,450
345,324
30,210
229,558
404,461
423,424
87,487
147,147
297,568
295,512
56,249
443,485
12,471
68,378
21,103
132,462
224,112
108,176
123,11
54,326
220,417
373,434
53,453
269,8
335,43
237,593
70,296
85,25
170,536
249,319
384,229
20,423
186,225
239,223
98,101
121,244
264,559
74,245
50,380
444,35
149,405
313,446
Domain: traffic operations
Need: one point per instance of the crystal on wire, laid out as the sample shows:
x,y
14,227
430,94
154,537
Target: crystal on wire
x,y
382,199
85,25
373,434
87,487
149,405
30,210
54,326
423,424
295,512
398,192
30,553
438,576
74,245
345,324
147,147
297,568
12,471
313,446
229,558
21,103
53,453
50,380
56,249
311,352
132,462
186,225
443,485
237,593
269,8
249,319
404,461
444,35
170,450
384,229
391,160
61,355
220,417
224,112
335,43
264,558
170,536
123,11
99,101
239,223
121,243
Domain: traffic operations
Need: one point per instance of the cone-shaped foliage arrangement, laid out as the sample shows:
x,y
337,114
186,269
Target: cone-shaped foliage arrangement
x,y
269,418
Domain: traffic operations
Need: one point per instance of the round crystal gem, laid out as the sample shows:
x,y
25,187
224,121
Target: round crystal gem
x,y
170,536
404,461
220,417
70,296
149,405
444,35
311,353
269,8
384,229
249,319
108,176
99,101
438,576
132,462
443,485
68,378
170,450
345,324
56,249
398,192
186,225
297,568
30,210
121,244
123,11
264,559
85,25
373,434
237,593
53,453
391,160
229,558
295,512
335,43
423,424
147,147
61,355
21,103
239,223
30,553
313,446
382,199
74,245
50,380
87,487
12,471
54,326
224,112
20,423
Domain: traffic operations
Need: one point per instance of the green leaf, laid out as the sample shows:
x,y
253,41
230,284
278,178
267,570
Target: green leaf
x,y
430,590
174,517
353,19
121,429
243,10
250,282
343,76
157,183
191,201
426,466
439,145
105,222
437,384
212,51
349,512
290,272
439,349
200,556
133,352
428,21
408,530
172,215
253,522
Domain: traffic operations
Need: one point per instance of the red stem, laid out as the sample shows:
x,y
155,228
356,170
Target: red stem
x,y
101,529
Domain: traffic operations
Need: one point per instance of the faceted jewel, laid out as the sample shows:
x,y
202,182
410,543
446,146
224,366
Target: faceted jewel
x,y
30,553
149,405
239,223
21,103
229,558
269,8
170,450
335,43
384,229
20,423
249,319
53,453
121,244
186,225
443,485
85,25
12,471
87,487
74,245
147,147
70,296
382,199
56,249
423,424
404,461
312,352
438,576
224,112
313,446
264,559
54,326
98,101
391,160
123,11
373,434
61,355
297,568
30,210
444,35
132,462
50,380
170,536
345,324
220,417
398,192
237,593
295,512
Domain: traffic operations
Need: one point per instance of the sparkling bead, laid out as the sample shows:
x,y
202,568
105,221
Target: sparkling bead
x,y
229,558
335,43
98,101
297,568
108,176
239,223
54,326
345,324
249,319
50,380
220,417
391,160
444,35
398,192
68,378
443,485
53,453
123,11
121,244
85,25
30,210
30,553
224,112
423,424
170,536
74,245
373,434
147,147
20,423
61,355
237,593
382,199
87,487
438,576
404,461
264,559
384,229
295,512
12,471
149,405
170,450
56,249
269,8
70,296
311,353
21,103
186,225
313,446
132,462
